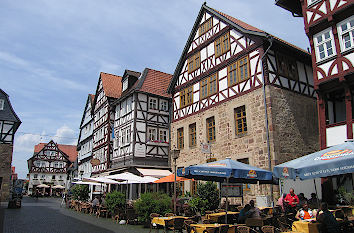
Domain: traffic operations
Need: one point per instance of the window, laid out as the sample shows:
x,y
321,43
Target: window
x,y
180,141
206,26
164,105
53,177
222,44
346,34
238,71
125,85
35,176
194,186
56,165
152,134
186,97
163,135
60,177
2,103
210,129
127,130
209,86
194,62
287,66
192,135
152,103
124,135
324,45
240,120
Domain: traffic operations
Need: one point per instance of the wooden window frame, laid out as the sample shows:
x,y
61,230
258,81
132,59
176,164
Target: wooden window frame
x,y
163,133
290,67
242,118
194,187
206,26
210,127
186,97
194,62
192,135
236,67
180,138
206,83
221,41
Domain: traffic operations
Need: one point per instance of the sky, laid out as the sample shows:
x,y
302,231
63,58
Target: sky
x,y
51,53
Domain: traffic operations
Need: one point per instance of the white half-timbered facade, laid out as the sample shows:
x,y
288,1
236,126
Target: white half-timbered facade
x,y
108,89
218,97
85,142
141,122
49,165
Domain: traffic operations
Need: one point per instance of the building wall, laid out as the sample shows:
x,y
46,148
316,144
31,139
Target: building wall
x,y
5,170
46,178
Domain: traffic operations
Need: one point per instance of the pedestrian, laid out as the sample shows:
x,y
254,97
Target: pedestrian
x,y
254,211
281,202
304,213
291,201
63,201
328,222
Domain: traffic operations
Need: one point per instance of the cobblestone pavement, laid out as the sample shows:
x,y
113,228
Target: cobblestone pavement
x,y
46,216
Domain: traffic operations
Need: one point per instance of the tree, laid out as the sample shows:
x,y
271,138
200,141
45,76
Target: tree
x,y
80,192
207,197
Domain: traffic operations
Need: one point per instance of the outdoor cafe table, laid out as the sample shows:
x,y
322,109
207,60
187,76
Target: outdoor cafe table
x,y
306,226
201,227
162,220
214,216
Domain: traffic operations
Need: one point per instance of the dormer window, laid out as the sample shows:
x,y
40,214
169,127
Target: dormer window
x,y
125,85
2,103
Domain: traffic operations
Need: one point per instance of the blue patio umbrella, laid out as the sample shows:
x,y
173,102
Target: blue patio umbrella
x,y
335,160
227,170
234,171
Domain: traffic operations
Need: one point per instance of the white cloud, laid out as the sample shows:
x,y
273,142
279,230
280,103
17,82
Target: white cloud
x,y
65,135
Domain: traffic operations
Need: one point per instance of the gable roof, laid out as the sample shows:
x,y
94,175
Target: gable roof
x,y
237,24
92,98
8,114
154,82
69,150
112,84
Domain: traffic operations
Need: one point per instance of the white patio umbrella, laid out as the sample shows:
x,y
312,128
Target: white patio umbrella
x,y
83,182
58,187
127,176
43,186
102,180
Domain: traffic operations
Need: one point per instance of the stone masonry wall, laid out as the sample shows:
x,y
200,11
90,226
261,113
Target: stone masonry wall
x,y
5,170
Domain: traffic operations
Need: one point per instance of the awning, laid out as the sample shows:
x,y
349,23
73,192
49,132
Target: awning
x,y
83,182
158,173
170,179
101,180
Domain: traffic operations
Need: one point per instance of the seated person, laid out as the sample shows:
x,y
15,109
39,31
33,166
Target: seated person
x,y
244,213
254,211
313,202
328,222
304,213
302,199
95,204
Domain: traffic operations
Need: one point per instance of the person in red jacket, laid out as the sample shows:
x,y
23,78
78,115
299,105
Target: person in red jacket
x,y
291,200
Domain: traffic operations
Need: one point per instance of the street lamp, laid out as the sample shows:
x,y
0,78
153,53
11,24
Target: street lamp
x,y
175,155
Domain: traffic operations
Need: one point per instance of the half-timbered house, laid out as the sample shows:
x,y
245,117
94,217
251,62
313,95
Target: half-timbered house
x,y
49,165
9,123
246,93
85,141
329,25
141,125
109,88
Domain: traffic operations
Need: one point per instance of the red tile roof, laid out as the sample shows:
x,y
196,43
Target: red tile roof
x,y
112,84
69,150
156,82
251,28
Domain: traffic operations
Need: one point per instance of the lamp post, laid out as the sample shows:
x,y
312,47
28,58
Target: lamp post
x,y
175,155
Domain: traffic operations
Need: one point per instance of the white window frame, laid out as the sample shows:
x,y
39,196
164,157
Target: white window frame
x,y
164,105
324,43
153,103
35,176
125,85
312,2
152,134
2,104
163,135
127,129
349,31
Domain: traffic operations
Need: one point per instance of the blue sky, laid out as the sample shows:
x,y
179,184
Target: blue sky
x,y
51,52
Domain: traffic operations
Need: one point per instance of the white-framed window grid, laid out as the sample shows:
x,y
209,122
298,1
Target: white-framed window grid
x,y
152,103
152,134
324,45
346,33
164,105
163,135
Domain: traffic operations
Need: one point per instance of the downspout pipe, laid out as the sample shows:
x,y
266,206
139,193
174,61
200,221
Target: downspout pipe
x,y
270,39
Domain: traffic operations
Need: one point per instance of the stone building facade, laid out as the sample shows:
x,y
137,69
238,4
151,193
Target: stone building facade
x,y
218,104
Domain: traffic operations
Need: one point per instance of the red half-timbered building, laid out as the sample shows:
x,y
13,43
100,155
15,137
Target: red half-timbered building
x,y
329,25
109,88
49,165
218,96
